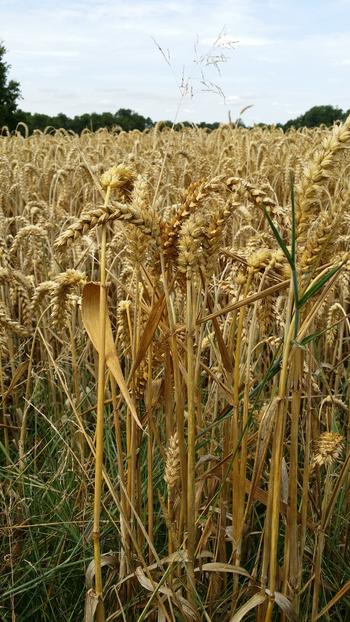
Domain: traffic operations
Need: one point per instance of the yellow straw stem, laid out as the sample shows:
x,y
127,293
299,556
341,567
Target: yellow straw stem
x,y
100,614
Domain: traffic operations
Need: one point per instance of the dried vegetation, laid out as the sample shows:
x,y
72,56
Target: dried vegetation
x,y
190,290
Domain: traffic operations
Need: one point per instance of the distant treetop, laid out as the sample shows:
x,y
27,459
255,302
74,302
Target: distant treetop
x,y
9,92
317,115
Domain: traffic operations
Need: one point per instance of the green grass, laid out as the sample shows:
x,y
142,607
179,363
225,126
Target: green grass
x,y
46,525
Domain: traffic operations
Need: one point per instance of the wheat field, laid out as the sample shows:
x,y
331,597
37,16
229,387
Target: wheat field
x,y
174,347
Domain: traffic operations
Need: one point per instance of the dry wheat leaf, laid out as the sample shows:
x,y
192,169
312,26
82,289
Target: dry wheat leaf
x,y
90,311
284,603
149,330
108,559
186,608
245,109
152,392
177,557
21,369
207,458
245,301
254,601
153,586
222,567
91,602
173,558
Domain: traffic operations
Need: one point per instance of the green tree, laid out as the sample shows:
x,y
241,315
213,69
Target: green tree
x,y
130,120
9,93
315,116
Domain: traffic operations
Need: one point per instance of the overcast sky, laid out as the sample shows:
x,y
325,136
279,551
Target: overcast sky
x,y
88,55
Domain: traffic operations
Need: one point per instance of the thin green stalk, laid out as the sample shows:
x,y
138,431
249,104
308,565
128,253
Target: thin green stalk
x,y
150,524
120,461
276,462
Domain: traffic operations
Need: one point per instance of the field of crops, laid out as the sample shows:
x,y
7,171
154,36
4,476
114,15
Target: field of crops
x,y
174,347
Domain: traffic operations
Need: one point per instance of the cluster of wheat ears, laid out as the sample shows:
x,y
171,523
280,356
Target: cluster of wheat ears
x,y
175,311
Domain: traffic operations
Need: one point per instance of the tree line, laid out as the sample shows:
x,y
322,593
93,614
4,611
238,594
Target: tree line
x,y
124,119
